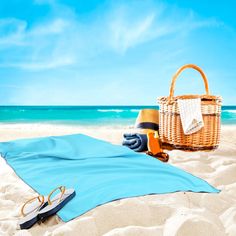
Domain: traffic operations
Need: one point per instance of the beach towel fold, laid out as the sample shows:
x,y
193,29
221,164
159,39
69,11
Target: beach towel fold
x,y
136,142
99,172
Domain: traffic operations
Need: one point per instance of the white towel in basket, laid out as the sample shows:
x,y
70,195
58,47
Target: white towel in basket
x,y
190,115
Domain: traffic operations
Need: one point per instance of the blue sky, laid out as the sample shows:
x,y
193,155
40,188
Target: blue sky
x,y
74,52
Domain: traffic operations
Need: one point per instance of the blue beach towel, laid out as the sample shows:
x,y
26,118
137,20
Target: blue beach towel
x,y
100,172
136,142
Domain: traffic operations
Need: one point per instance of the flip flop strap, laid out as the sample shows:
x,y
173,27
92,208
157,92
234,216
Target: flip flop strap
x,y
40,199
61,188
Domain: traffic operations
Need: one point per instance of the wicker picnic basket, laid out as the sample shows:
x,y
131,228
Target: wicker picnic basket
x,y
170,127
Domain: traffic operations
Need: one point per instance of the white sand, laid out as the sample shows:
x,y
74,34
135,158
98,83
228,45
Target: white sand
x,y
167,214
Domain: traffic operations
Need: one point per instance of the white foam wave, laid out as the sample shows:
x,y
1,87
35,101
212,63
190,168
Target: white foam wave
x,y
134,110
110,110
230,111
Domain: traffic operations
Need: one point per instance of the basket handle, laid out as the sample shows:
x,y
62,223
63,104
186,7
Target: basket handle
x,y
179,72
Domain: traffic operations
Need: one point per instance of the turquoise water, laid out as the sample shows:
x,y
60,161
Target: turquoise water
x,y
85,115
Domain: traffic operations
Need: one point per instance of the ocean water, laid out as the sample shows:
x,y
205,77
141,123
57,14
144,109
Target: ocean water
x,y
86,115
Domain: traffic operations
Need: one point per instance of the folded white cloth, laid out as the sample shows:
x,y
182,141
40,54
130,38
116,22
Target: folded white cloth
x,y
190,115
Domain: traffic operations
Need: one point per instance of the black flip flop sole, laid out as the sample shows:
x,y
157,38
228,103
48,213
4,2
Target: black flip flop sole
x,y
29,223
43,216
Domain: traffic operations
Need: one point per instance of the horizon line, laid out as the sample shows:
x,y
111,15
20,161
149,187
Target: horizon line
x,y
91,105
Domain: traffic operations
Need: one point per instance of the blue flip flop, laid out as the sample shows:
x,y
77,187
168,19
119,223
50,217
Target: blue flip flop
x,y
36,211
29,211
55,204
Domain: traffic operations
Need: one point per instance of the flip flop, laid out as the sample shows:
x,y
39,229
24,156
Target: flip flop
x,y
29,211
57,202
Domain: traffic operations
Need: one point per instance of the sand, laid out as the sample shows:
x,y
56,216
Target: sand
x,y
182,213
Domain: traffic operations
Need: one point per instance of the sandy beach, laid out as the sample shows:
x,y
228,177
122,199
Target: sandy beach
x,y
182,213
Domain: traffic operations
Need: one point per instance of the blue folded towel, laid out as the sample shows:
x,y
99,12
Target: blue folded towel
x,y
136,142
99,171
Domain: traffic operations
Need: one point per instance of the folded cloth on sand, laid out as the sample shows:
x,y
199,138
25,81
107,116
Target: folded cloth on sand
x,y
99,171
136,142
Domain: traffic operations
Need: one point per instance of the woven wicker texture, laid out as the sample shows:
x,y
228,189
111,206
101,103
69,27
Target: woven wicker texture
x,y
170,127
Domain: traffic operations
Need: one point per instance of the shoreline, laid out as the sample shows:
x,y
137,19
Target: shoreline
x,y
10,131
83,126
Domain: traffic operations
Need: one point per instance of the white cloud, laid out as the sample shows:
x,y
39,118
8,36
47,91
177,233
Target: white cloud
x,y
125,35
12,31
130,28
63,40
41,65
56,26
36,48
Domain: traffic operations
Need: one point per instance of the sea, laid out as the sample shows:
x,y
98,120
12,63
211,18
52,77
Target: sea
x,y
86,115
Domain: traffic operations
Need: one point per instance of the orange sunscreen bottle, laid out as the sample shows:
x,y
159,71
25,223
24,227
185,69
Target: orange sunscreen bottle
x,y
153,143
